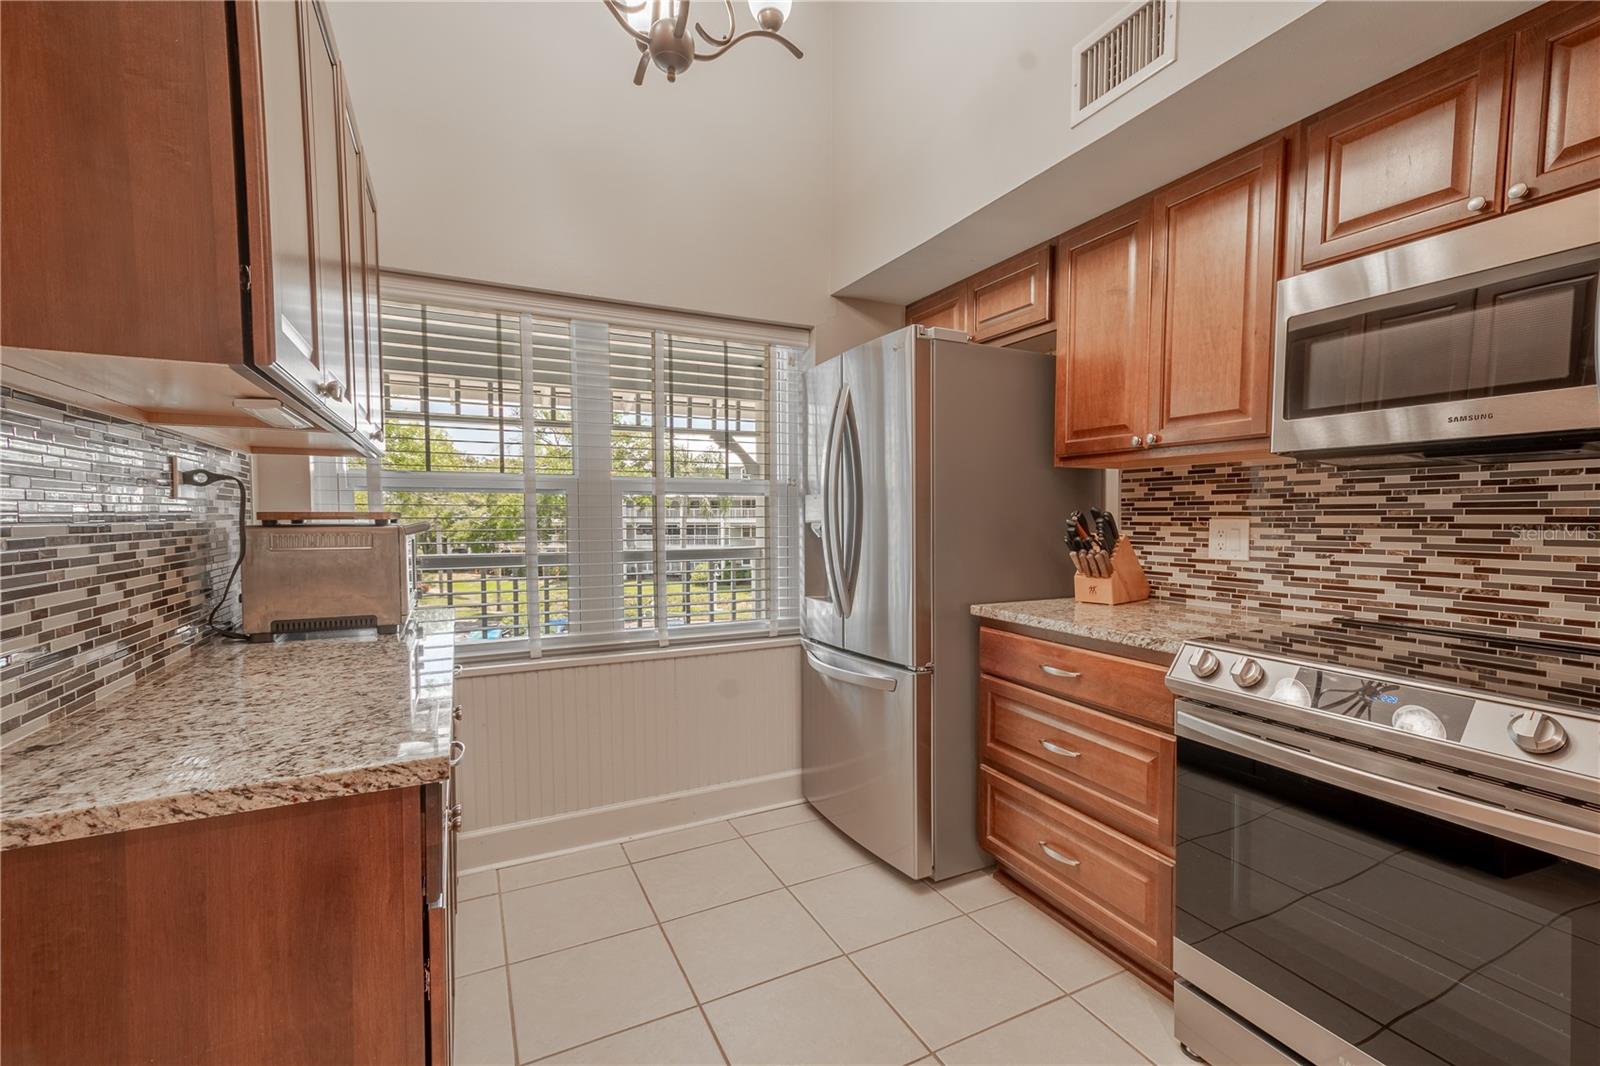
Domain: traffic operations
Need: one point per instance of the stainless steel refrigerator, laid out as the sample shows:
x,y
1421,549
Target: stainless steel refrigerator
x,y
929,487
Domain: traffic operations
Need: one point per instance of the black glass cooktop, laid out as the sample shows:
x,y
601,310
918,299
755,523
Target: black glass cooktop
x,y
1559,673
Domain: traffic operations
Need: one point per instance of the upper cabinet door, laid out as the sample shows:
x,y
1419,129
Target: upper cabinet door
x,y
325,119
1213,270
1410,159
947,309
1012,295
369,267
355,299
1555,111
1103,334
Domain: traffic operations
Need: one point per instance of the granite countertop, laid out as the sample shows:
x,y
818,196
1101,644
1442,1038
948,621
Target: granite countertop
x,y
1152,625
237,727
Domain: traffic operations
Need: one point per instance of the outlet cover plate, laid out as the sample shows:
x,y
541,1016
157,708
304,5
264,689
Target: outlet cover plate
x,y
1229,538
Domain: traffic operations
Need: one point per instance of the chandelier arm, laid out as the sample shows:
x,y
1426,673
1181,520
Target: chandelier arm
x,y
644,65
714,41
681,27
746,35
617,10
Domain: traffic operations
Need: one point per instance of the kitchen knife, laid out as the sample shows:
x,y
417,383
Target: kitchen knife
x,y
1106,527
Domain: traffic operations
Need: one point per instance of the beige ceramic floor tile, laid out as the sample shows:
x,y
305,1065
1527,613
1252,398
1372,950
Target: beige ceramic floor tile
x,y
739,944
578,995
811,849
541,871
1060,1034
1139,1014
872,903
1056,951
950,980
563,914
473,885
794,814
973,891
703,878
482,1021
678,840
826,1014
478,943
678,1040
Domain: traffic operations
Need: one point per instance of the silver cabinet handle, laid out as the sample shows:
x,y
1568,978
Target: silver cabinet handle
x,y
455,712
1151,439
1138,442
1056,671
332,389
1056,749
458,751
1519,191
1476,204
1064,860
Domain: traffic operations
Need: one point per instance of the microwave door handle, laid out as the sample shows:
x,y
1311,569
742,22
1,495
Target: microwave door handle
x,y
1565,841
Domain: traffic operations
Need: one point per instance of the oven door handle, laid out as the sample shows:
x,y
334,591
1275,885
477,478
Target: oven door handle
x,y
1567,842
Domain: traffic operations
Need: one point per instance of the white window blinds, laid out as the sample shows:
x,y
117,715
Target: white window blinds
x,y
660,502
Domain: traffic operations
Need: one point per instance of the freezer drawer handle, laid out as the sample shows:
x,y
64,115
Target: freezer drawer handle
x,y
1064,860
852,677
1056,749
1056,671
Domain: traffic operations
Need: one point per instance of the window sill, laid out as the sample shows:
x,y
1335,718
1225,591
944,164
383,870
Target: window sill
x,y
486,665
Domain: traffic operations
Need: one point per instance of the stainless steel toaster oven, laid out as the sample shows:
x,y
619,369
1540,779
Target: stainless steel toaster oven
x,y
308,571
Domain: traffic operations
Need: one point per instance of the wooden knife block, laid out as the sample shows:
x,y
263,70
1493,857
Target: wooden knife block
x,y
1125,585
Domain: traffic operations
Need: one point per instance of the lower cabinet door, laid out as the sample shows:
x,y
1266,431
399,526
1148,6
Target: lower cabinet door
x,y
1100,878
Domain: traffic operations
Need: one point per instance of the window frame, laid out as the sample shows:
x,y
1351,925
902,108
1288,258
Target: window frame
x,y
780,488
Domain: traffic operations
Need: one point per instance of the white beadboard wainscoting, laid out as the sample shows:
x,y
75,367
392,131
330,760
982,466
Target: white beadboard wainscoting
x,y
566,754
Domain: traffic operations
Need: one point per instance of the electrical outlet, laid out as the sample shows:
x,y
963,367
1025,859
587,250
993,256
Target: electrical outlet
x,y
1230,538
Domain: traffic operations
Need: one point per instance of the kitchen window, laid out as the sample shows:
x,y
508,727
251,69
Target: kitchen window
x,y
593,475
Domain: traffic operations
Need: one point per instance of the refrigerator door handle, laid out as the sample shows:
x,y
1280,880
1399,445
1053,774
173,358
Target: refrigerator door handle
x,y
850,489
881,682
830,513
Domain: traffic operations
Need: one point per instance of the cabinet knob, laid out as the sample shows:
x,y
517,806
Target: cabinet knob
x,y
1476,204
1138,442
1151,439
455,712
375,434
332,389
1519,191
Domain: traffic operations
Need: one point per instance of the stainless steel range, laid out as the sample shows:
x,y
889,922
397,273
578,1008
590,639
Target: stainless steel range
x,y
1388,847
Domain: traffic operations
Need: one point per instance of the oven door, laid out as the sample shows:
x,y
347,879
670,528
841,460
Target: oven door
x,y
1353,910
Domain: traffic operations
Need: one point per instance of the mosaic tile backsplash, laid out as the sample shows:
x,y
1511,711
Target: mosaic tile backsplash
x,y
1513,549
103,577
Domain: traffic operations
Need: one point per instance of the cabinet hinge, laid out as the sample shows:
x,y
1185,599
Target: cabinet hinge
x,y
244,276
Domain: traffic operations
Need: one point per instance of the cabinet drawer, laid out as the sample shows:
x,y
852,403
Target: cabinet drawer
x,y
1122,685
1113,770
1102,879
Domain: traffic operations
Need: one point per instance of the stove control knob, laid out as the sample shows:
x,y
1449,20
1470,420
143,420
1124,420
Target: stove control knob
x,y
1247,673
1203,663
1536,733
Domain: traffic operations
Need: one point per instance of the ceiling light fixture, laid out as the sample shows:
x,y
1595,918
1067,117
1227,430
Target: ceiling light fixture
x,y
661,30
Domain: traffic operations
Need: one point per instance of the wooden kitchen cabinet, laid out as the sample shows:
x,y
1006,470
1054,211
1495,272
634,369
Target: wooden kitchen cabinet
x,y
1414,156
1555,109
1214,266
1103,333
178,231
946,309
294,935
1011,296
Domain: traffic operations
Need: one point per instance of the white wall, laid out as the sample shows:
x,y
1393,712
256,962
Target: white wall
x,y
561,757
509,144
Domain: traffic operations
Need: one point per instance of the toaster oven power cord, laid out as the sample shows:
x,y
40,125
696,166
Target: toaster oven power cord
x,y
207,477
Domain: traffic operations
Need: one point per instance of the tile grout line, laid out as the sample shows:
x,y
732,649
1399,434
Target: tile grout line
x,y
505,957
705,1019
1096,1016
845,954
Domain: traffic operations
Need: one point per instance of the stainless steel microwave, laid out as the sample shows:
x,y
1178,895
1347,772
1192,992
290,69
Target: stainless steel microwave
x,y
1474,344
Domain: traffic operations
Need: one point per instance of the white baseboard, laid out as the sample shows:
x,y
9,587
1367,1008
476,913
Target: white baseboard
x,y
501,844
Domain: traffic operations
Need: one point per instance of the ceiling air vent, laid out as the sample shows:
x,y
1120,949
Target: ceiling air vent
x,y
1121,53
